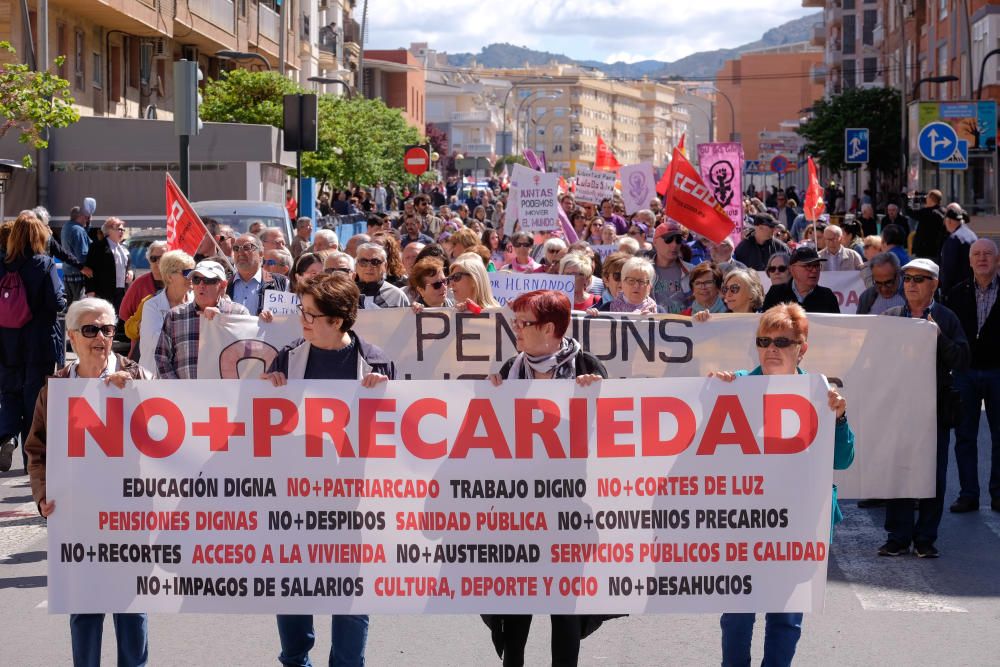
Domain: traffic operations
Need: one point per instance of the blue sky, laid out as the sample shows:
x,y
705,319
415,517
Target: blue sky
x,y
605,30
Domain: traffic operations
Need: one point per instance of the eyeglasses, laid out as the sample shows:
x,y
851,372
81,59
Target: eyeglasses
x,y
885,283
518,325
814,266
732,289
339,269
552,251
153,259
523,245
777,268
246,247
636,282
918,280
91,330
202,280
373,262
455,277
780,342
308,317
270,262
704,284
437,284
671,238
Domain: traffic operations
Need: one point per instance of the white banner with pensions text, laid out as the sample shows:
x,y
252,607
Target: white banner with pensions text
x,y
868,358
639,496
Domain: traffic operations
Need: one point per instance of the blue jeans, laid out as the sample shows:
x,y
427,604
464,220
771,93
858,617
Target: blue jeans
x,y
347,649
977,387
781,635
131,633
899,518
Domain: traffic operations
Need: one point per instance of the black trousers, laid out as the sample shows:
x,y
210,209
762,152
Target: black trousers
x,y
566,634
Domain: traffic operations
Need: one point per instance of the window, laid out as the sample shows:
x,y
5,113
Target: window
x,y
850,30
870,69
943,70
97,69
850,78
869,20
78,72
61,45
848,4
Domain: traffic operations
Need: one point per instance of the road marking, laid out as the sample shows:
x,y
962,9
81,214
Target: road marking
x,y
900,584
44,604
991,519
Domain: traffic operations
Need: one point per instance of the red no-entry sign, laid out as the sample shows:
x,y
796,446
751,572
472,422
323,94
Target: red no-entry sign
x,y
416,160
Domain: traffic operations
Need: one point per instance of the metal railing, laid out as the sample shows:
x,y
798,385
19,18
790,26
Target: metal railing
x,y
269,23
221,13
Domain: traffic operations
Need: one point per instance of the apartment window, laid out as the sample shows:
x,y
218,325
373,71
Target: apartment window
x,y
132,65
868,26
850,74
97,69
870,69
115,78
848,4
78,71
850,34
61,46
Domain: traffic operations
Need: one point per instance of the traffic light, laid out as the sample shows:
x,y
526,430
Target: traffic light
x,y
187,97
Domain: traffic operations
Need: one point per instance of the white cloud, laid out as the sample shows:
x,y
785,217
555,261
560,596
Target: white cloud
x,y
607,30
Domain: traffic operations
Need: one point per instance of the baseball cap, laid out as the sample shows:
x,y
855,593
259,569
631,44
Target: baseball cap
x,y
764,219
668,227
805,255
922,264
209,269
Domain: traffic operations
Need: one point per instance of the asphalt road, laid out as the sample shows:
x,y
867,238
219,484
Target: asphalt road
x,y
879,611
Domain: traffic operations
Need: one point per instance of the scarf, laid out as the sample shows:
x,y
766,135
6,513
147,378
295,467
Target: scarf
x,y
620,305
562,363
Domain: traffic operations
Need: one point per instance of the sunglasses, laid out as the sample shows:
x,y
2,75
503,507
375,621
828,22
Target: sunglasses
x,y
437,284
617,276
777,269
919,280
671,238
154,259
457,276
202,280
523,245
270,262
337,270
91,330
780,342
247,247
885,283
518,325
732,289
375,262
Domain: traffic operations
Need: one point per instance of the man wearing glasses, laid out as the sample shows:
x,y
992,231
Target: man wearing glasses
x,y
251,280
177,350
887,289
804,288
672,288
376,292
110,263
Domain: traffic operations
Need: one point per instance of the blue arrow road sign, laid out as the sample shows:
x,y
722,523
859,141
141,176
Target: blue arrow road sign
x,y
856,145
960,158
937,141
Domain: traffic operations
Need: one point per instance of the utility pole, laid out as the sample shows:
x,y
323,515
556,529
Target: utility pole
x,y
41,65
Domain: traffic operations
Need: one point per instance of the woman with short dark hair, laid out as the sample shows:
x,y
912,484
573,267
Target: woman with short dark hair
x,y
430,285
706,280
522,262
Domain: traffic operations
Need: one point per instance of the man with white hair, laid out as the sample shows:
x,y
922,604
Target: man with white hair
x,y
837,256
303,234
410,253
354,242
868,220
110,263
325,239
278,261
722,255
272,238
376,291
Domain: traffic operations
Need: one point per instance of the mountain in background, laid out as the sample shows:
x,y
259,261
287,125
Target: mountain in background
x,y
703,64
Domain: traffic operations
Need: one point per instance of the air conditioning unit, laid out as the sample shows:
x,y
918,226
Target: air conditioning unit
x,y
189,53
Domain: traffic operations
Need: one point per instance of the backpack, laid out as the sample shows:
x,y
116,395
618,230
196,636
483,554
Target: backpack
x,y
14,311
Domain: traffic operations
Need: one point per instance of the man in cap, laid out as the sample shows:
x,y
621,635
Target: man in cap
x,y
978,309
177,350
920,282
955,266
251,280
804,288
756,249
672,288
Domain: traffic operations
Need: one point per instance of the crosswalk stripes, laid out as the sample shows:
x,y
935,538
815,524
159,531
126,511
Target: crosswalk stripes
x,y
903,584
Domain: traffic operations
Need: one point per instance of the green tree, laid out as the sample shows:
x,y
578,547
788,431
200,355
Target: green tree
x,y
33,102
360,140
877,109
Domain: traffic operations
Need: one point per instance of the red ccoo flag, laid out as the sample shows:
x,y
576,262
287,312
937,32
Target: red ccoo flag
x,y
814,204
668,173
605,160
691,203
185,230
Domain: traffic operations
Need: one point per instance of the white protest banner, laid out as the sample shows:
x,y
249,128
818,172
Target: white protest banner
x,y
535,199
721,166
847,285
638,186
507,285
638,496
594,186
281,303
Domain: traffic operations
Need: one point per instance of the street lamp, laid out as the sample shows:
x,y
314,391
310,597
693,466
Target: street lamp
x,y
545,95
326,80
947,78
242,55
982,70
513,85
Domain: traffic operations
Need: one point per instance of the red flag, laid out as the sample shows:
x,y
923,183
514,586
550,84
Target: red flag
x,y
563,187
605,160
814,204
691,203
185,230
668,174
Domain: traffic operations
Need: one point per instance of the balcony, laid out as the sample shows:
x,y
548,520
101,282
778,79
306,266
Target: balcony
x,y
269,23
352,31
817,73
818,37
832,16
220,13
481,116
878,36
475,150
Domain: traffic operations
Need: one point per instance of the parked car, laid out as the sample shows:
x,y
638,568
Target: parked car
x,y
240,214
137,243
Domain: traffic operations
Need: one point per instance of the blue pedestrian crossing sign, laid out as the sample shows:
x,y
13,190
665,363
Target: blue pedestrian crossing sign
x,y
856,145
938,142
960,158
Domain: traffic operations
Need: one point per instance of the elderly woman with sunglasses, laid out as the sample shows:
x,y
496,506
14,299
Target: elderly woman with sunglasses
x,y
523,262
328,350
429,284
782,342
741,291
174,267
376,291
545,352
90,325
777,268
